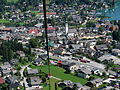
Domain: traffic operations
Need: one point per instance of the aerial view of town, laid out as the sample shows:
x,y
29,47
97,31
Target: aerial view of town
x,y
59,44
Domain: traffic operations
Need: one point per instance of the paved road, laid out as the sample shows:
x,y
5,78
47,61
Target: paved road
x,y
34,88
91,64
25,82
22,70
24,79
55,78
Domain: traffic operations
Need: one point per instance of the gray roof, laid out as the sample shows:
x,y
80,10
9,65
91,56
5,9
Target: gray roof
x,y
14,61
116,51
67,82
43,56
58,51
6,71
52,34
112,72
65,63
87,41
95,81
52,38
84,70
85,88
61,37
39,25
101,47
39,60
78,85
35,80
75,46
32,71
6,63
6,66
110,57
72,30
71,64
109,88
55,57
12,79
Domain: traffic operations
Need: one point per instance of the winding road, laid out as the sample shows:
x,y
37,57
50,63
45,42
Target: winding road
x,y
24,82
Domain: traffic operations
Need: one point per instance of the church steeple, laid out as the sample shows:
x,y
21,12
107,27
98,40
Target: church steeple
x,y
66,27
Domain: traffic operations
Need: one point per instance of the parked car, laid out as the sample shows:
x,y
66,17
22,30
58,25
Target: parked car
x,y
84,61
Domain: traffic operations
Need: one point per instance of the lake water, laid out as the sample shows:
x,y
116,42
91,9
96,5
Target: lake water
x,y
114,12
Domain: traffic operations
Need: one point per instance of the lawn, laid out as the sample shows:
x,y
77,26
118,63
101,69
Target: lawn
x,y
48,1
12,1
4,21
35,12
15,1
83,26
21,23
115,65
22,88
52,85
96,76
59,73
105,84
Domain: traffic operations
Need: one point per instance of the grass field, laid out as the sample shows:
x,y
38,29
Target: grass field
x,y
12,1
4,21
105,84
116,65
15,1
59,73
52,85
35,12
21,23
22,88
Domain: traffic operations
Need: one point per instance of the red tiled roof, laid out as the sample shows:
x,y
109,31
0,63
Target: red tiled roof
x,y
2,80
50,28
33,31
60,62
7,29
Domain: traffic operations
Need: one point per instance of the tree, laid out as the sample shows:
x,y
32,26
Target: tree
x,y
8,48
75,87
15,45
33,42
101,29
114,44
93,87
4,48
43,79
107,67
91,78
18,73
116,35
104,74
10,54
4,86
67,71
90,24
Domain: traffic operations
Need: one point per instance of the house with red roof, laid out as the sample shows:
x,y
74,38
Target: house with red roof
x,y
33,31
6,30
50,29
49,14
2,80
59,63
